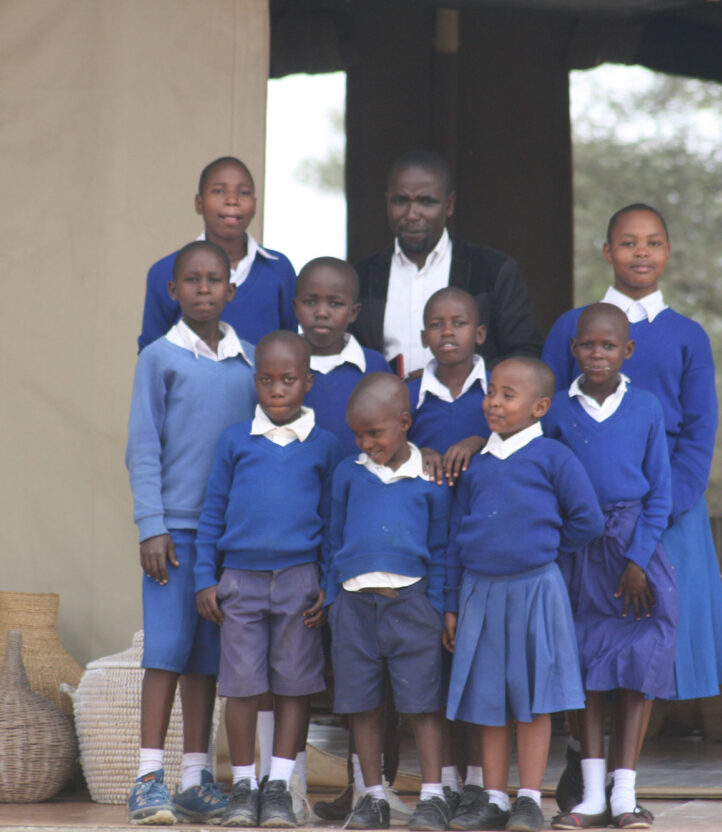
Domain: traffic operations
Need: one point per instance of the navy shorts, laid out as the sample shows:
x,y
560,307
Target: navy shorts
x,y
264,643
371,633
176,637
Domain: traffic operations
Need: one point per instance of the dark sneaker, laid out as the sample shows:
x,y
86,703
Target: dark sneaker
x,y
468,812
452,799
369,813
242,806
640,811
431,815
149,801
492,816
336,809
570,788
525,816
276,805
203,804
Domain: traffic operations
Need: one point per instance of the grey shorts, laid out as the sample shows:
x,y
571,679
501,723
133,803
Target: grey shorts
x,y
264,642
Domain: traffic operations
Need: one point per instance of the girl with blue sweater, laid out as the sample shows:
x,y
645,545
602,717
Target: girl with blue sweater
x,y
622,586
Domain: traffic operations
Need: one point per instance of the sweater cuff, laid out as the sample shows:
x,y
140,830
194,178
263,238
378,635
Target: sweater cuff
x,y
451,600
151,527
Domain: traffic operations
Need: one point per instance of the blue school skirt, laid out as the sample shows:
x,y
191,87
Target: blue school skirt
x,y
690,549
617,652
516,650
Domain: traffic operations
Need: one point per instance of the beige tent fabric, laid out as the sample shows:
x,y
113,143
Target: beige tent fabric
x,y
108,111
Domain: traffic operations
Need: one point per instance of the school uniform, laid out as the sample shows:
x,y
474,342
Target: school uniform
x,y
334,378
262,541
265,285
673,360
388,535
521,502
622,446
438,419
184,396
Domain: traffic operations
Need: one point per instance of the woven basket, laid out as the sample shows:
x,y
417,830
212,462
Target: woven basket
x,y
47,663
107,721
37,744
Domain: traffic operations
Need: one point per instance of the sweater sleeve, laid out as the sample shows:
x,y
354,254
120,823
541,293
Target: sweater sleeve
x,y
337,522
335,455
517,332
658,502
440,505
160,311
557,352
286,315
143,456
212,522
454,569
581,514
692,455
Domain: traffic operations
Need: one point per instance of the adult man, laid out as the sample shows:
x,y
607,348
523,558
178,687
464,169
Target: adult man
x,y
397,282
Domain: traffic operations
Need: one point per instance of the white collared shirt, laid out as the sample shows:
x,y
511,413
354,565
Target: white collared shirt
x,y
409,289
431,384
504,448
599,412
636,310
413,467
352,353
243,268
228,347
283,434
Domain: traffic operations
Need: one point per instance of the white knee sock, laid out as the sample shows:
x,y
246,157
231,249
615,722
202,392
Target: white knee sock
x,y
264,729
594,801
623,797
474,776
299,769
358,777
151,759
429,790
281,769
191,767
499,798
532,793
450,778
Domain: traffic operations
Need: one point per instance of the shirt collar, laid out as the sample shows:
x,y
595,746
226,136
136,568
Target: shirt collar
x,y
240,273
412,468
504,448
431,384
228,347
435,254
300,427
575,389
636,310
352,353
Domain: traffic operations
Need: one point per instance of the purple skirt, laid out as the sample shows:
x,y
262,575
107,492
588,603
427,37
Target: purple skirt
x,y
616,652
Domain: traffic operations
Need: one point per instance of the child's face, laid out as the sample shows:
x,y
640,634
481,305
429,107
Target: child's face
x,y
450,330
638,252
282,381
227,203
325,307
202,288
601,347
512,402
380,433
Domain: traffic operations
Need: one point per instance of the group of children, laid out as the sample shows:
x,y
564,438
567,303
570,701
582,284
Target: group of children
x,y
552,570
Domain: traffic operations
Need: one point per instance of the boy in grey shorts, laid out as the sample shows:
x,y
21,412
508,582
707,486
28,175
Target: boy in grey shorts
x,y
262,531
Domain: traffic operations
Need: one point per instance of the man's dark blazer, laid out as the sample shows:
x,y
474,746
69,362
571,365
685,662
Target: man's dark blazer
x,y
491,277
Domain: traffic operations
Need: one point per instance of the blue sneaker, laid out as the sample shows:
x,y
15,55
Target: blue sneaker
x,y
203,804
149,801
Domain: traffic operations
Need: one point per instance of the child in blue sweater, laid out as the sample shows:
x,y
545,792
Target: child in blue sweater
x,y
622,586
260,571
264,279
523,499
388,536
326,304
673,360
189,386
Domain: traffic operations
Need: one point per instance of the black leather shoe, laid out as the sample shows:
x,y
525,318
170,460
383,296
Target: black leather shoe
x,y
336,809
452,799
468,812
369,813
431,815
276,805
525,816
242,806
492,817
570,788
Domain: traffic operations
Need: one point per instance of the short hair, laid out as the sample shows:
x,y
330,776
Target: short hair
x,y
380,388
291,339
628,209
341,266
451,292
604,310
543,373
223,160
426,159
201,245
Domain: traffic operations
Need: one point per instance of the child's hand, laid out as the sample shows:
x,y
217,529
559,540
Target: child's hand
x,y
458,456
316,615
433,465
448,637
636,590
154,553
207,604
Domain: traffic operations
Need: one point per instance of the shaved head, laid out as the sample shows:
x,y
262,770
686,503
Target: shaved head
x,y
454,293
379,392
291,341
539,373
607,312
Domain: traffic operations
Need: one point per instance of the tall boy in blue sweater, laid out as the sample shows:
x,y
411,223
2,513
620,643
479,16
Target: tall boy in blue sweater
x,y
389,529
260,571
189,386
